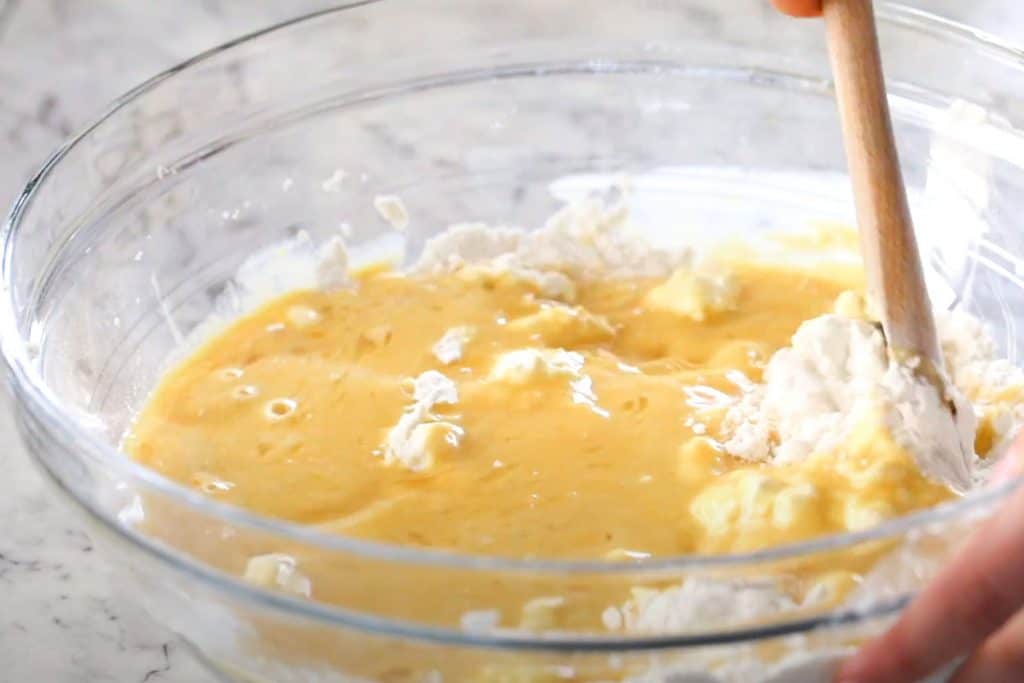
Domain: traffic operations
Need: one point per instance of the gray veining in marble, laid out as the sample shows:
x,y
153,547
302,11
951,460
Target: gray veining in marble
x,y
62,619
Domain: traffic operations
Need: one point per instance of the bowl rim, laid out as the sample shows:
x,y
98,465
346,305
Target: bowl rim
x,y
35,399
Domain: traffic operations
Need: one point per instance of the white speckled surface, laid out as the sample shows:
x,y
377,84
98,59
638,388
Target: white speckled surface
x,y
62,620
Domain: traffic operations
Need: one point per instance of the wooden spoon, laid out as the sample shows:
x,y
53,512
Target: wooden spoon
x,y
891,259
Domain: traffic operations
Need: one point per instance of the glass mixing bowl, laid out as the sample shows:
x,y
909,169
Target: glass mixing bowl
x,y
132,234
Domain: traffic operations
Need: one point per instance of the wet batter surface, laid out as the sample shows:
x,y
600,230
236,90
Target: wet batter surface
x,y
587,428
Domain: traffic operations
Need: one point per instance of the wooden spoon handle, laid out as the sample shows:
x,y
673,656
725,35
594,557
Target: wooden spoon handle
x,y
895,278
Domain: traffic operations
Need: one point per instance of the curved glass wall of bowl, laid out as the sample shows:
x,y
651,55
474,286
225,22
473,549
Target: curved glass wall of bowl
x,y
132,237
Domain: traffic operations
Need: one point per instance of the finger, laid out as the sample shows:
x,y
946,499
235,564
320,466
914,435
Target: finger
x,y
799,8
1010,467
966,603
999,659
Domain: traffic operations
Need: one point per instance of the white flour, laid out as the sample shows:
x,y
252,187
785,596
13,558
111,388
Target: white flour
x,y
524,365
831,380
704,603
419,435
977,370
450,347
587,240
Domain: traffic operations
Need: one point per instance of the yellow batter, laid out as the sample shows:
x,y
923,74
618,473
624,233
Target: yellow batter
x,y
289,411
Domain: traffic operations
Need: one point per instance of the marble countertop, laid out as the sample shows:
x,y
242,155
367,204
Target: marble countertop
x,y
62,619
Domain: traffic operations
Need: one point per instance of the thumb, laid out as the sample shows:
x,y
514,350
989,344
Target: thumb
x,y
1011,465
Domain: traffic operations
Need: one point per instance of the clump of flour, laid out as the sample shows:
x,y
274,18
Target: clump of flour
x,y
836,376
588,240
704,602
451,347
419,435
991,383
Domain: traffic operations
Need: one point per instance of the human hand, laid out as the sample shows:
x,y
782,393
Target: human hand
x,y
975,607
799,8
